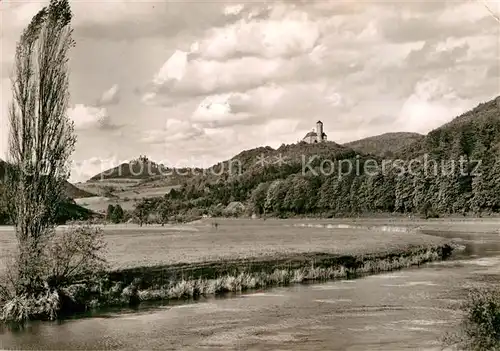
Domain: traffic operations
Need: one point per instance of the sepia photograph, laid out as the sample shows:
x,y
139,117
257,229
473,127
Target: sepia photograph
x,y
255,175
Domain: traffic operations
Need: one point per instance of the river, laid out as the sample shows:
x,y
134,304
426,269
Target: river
x,y
408,309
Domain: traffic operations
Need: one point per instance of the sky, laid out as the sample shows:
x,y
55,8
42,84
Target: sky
x,y
194,83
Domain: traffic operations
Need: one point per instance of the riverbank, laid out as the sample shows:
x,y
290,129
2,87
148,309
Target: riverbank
x,y
191,280
175,262
178,262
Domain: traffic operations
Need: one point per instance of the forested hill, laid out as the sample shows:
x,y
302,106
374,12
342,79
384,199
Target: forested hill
x,y
384,145
72,192
142,168
445,177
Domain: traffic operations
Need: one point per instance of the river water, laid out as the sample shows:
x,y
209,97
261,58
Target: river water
x,y
408,309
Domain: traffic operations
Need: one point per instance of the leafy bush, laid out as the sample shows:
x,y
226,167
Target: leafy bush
x,y
480,327
74,255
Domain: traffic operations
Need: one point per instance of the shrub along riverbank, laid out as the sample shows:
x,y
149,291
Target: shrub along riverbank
x,y
132,286
177,262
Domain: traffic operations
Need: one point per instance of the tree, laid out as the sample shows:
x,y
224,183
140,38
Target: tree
x,y
41,135
258,198
117,215
109,212
141,211
163,211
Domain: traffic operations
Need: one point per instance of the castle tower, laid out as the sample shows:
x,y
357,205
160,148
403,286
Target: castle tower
x,y
319,131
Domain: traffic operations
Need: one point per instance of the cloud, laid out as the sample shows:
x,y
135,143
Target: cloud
x,y
134,20
224,110
207,77
456,19
437,55
432,104
173,69
82,170
241,56
110,96
299,104
233,9
284,34
87,117
90,117
230,76
493,71
97,117
174,130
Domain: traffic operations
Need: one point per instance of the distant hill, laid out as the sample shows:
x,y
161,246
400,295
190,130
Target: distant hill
x,y
150,172
265,161
72,191
141,168
253,171
441,176
138,178
255,159
385,145
68,210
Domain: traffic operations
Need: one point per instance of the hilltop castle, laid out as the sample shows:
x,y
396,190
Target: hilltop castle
x,y
317,136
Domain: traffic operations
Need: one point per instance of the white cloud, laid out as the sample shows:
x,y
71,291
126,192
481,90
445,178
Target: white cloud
x,y
469,11
216,79
173,69
233,9
83,170
110,96
285,34
224,110
88,117
432,104
274,132
206,77
19,13
212,108
174,130
241,56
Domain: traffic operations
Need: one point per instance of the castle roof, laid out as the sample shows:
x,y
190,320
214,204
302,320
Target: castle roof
x,y
319,122
311,134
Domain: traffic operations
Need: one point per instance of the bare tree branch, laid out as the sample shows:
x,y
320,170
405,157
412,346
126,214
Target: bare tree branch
x,y
485,4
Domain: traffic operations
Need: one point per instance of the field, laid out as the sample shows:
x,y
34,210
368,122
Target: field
x,y
145,192
125,192
100,203
132,246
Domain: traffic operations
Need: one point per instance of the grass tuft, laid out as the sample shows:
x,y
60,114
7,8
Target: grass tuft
x,y
19,309
188,288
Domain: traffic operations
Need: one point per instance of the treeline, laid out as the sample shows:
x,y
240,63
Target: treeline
x,y
455,169
449,190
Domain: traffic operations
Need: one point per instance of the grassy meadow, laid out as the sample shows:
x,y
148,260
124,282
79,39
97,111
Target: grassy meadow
x,y
181,261
132,246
